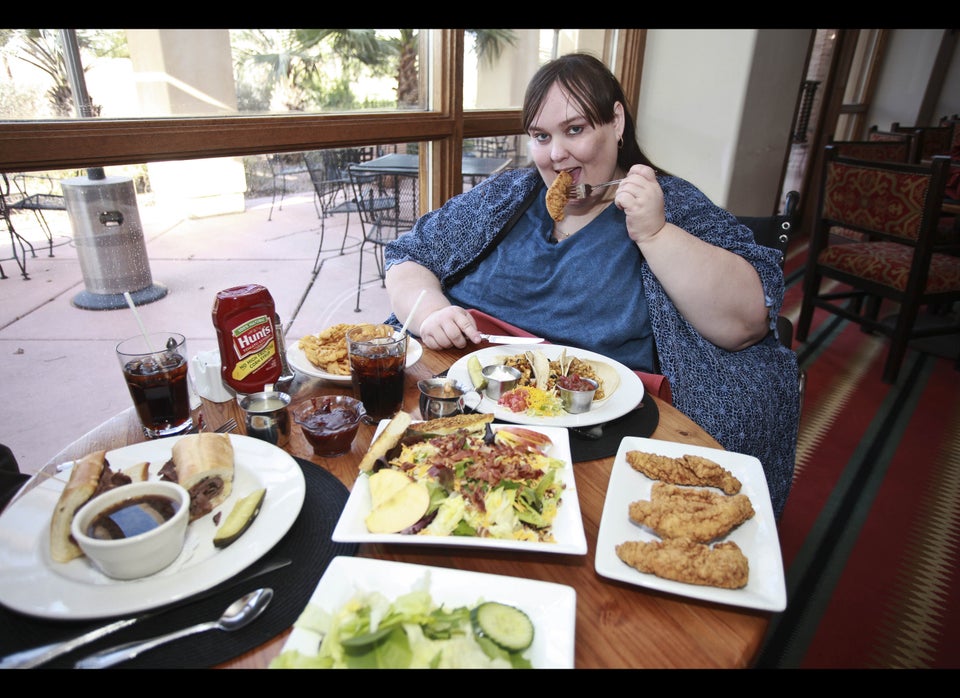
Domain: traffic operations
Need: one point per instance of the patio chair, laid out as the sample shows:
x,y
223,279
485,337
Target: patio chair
x,y
283,166
37,193
332,192
897,206
16,239
384,210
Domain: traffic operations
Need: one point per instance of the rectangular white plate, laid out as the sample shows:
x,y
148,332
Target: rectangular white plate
x,y
567,527
757,537
552,607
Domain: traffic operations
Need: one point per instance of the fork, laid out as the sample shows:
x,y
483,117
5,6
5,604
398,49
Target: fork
x,y
228,426
582,191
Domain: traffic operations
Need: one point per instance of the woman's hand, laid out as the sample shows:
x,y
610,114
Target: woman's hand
x,y
448,326
640,198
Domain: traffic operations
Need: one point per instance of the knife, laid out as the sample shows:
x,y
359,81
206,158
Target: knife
x,y
27,659
508,339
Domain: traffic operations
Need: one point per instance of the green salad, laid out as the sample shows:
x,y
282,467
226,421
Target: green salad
x,y
371,632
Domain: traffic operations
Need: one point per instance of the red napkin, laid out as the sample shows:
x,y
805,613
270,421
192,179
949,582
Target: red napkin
x,y
653,383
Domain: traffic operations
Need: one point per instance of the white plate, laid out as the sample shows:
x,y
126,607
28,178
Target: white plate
x,y
627,395
299,361
30,582
552,607
567,526
757,537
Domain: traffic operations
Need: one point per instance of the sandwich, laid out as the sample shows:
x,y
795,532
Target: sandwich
x,y
388,438
89,477
401,426
448,425
203,465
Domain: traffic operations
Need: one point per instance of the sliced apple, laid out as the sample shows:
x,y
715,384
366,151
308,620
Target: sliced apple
x,y
397,501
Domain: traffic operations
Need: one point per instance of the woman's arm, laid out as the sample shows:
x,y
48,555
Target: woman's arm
x,y
717,291
437,322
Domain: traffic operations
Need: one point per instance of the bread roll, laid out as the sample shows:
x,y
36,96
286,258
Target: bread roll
x,y
81,487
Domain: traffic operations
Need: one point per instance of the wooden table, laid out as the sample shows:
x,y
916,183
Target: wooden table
x,y
617,625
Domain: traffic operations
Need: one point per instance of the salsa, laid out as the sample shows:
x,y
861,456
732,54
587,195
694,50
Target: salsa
x,y
575,382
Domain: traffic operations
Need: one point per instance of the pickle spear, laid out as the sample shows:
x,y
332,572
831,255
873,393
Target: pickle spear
x,y
240,518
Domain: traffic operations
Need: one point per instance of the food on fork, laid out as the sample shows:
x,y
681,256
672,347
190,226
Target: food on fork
x,y
696,514
203,465
559,194
685,470
724,565
89,477
327,350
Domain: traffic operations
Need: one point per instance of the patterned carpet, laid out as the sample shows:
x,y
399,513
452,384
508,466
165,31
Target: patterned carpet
x,y
871,532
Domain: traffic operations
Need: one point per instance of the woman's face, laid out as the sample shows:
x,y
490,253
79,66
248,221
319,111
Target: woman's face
x,y
561,138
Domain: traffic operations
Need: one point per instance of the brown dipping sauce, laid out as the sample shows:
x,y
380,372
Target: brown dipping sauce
x,y
131,517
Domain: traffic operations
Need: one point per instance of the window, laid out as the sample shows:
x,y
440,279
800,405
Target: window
x,y
188,120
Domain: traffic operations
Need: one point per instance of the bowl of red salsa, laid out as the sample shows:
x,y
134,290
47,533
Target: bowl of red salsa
x,y
576,393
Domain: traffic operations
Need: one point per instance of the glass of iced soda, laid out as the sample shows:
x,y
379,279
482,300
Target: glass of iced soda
x,y
155,369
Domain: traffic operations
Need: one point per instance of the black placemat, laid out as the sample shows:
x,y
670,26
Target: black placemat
x,y
641,421
308,544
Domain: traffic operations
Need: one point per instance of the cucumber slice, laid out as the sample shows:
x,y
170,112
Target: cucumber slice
x,y
506,626
240,518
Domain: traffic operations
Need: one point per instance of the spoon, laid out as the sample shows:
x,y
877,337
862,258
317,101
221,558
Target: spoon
x,y
238,614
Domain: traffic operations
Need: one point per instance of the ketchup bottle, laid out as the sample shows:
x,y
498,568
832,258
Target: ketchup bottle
x,y
249,356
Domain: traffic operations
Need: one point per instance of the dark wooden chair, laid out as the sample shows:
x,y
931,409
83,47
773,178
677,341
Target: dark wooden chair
x,y
896,206
774,231
880,147
931,140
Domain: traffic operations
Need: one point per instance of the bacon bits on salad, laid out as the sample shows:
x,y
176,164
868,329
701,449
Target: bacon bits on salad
x,y
495,484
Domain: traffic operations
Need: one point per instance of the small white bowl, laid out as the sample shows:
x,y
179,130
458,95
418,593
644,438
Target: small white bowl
x,y
149,546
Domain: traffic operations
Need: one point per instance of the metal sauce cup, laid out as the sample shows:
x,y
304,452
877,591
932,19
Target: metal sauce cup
x,y
266,416
443,397
500,379
577,401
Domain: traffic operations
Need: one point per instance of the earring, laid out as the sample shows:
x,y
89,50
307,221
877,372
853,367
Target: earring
x,y
620,143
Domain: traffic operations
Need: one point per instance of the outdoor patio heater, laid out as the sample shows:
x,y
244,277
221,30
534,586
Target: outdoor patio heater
x,y
109,240
106,221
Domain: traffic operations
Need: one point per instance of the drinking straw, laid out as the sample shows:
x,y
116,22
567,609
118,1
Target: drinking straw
x,y
143,330
403,330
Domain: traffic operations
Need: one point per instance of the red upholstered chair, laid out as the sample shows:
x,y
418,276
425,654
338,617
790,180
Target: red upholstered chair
x,y
881,147
931,140
897,206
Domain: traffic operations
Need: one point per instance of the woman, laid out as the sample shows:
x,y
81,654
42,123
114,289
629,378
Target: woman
x,y
648,272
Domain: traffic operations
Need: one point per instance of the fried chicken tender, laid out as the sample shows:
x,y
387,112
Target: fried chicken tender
x,y
327,350
724,565
557,195
696,514
686,470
